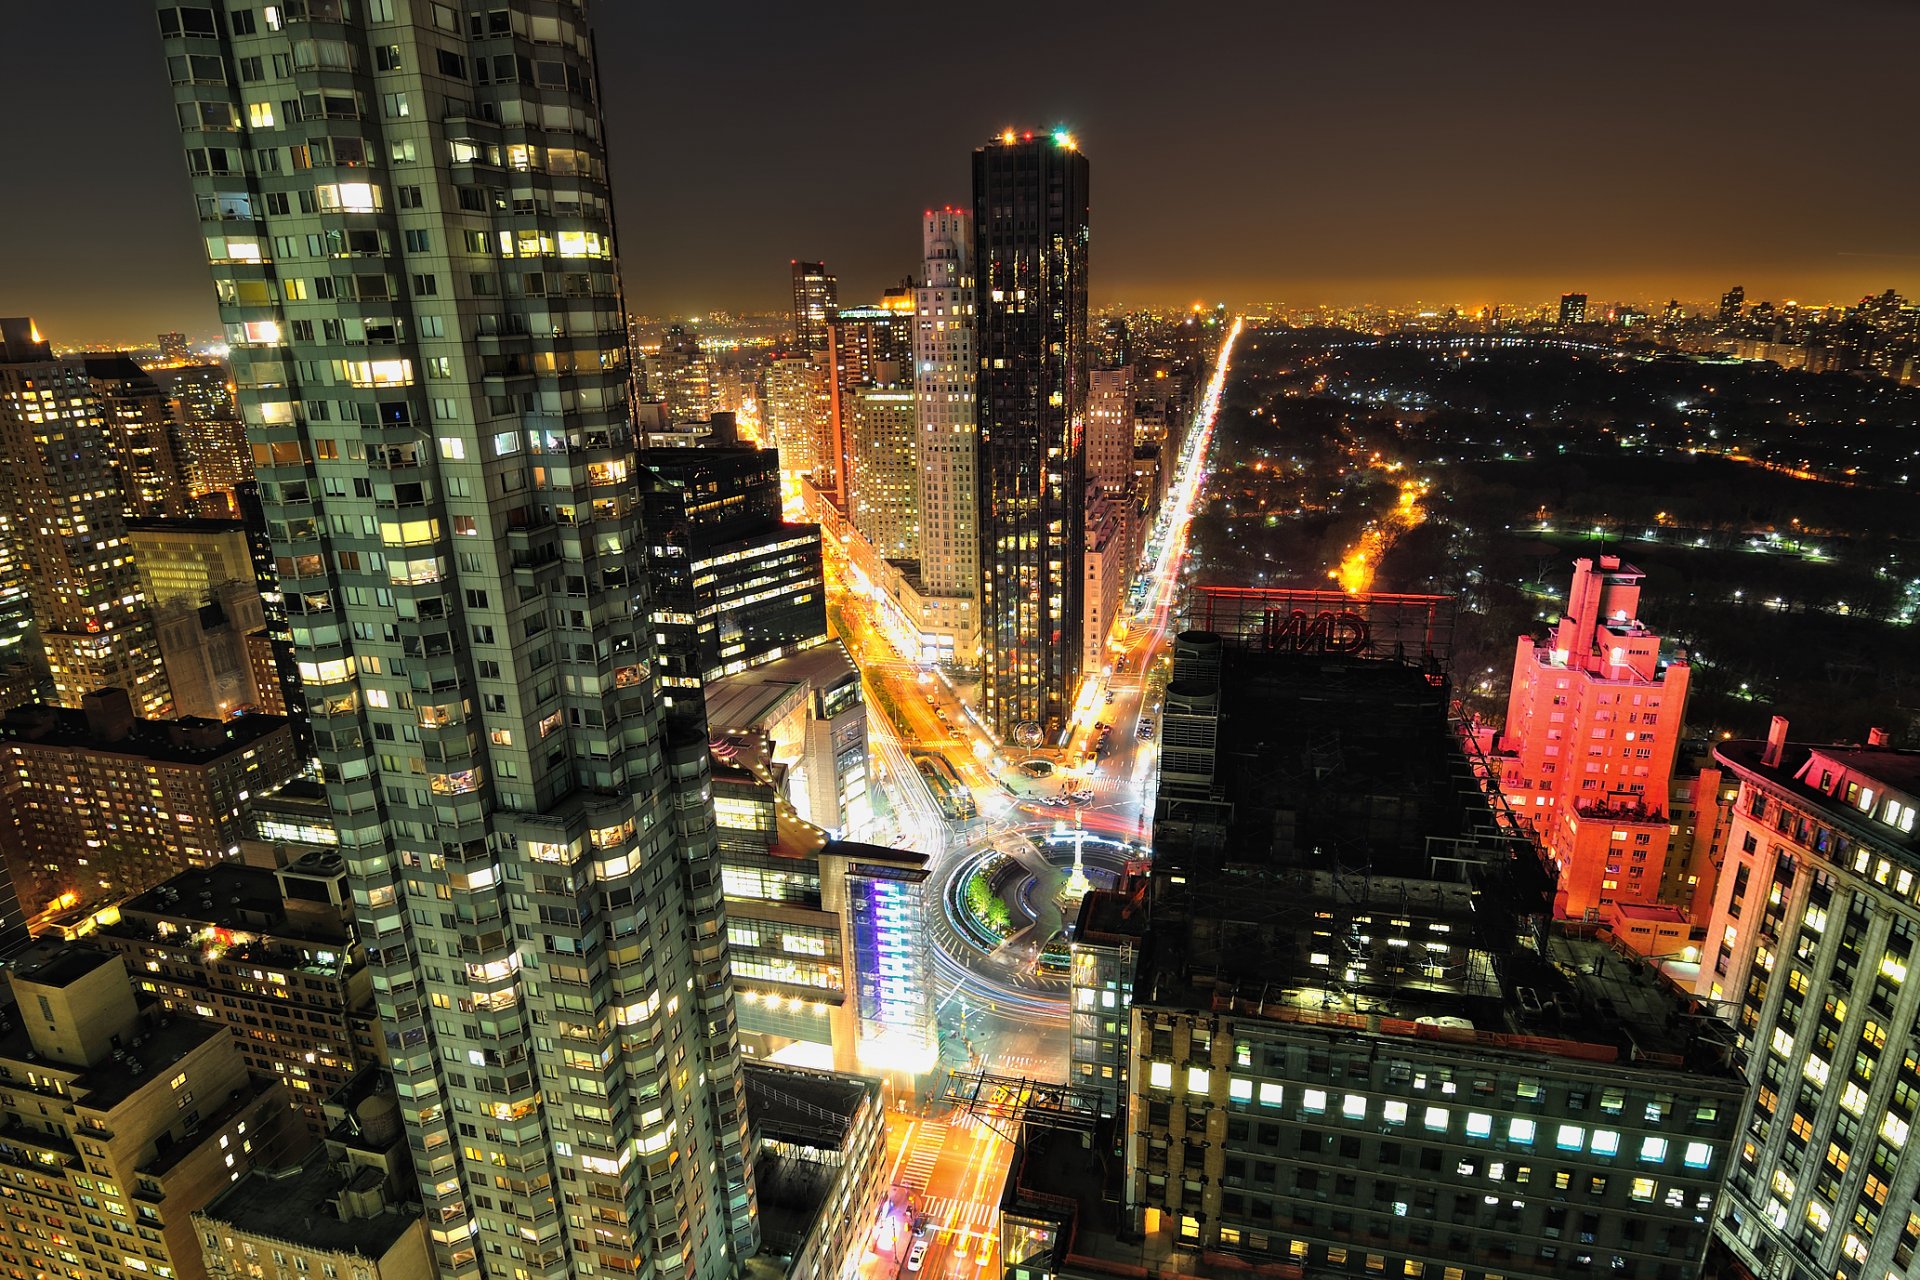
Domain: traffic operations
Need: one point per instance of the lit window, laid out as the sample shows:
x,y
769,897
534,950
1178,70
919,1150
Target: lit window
x,y
1570,1138
1606,1142
1160,1075
1520,1129
1479,1124
1653,1150
1313,1101
1271,1095
1354,1107
1395,1112
1197,1079
1437,1118
1237,1089
1698,1155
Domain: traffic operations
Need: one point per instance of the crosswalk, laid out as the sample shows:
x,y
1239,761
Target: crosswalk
x,y
1027,1066
969,1226
927,1145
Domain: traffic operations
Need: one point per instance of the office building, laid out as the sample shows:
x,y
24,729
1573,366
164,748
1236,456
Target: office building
x,y
1573,309
1356,1043
269,952
101,804
809,710
141,436
347,1212
816,304
883,485
826,936
822,1159
734,585
545,926
208,652
1030,264
944,381
1594,721
1808,953
187,559
1110,409
63,508
130,1121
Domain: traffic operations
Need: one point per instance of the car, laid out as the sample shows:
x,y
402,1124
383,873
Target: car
x,y
917,1255
1083,797
1102,726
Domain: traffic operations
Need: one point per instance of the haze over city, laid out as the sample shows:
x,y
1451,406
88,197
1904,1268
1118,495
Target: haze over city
x,y
971,642
1499,152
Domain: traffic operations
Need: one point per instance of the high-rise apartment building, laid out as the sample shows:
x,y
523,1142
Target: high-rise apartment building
x,y
682,376
883,485
212,438
130,1122
1030,264
1594,721
1732,303
799,411
407,214
64,518
1573,309
945,375
1809,950
141,435
816,303
173,346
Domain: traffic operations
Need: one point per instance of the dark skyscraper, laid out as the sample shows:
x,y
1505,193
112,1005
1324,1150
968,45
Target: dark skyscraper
x,y
1573,309
1030,251
816,301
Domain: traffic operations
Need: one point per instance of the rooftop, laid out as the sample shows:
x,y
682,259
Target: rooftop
x,y
1797,774
165,1041
229,896
188,740
292,1205
812,1108
52,964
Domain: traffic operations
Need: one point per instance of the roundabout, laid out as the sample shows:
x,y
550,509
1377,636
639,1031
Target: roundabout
x,y
1009,903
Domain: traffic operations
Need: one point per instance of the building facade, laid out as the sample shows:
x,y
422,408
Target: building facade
x,y
883,485
270,953
799,411
1808,953
422,297
945,375
101,804
64,519
141,435
734,584
1594,722
1110,399
1030,265
131,1122
816,304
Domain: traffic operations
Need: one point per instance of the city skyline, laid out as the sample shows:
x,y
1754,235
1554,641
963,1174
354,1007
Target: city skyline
x,y
1669,194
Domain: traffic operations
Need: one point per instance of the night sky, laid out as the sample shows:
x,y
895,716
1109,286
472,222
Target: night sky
x,y
1387,151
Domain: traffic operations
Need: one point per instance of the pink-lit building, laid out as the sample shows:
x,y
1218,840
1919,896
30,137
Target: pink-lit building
x,y
1593,722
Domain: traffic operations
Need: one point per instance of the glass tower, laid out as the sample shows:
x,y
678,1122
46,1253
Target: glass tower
x,y
1030,256
405,206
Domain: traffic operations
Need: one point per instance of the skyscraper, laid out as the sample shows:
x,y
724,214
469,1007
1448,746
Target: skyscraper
x,y
1030,256
63,513
141,435
816,301
528,840
944,378
1110,398
1573,309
